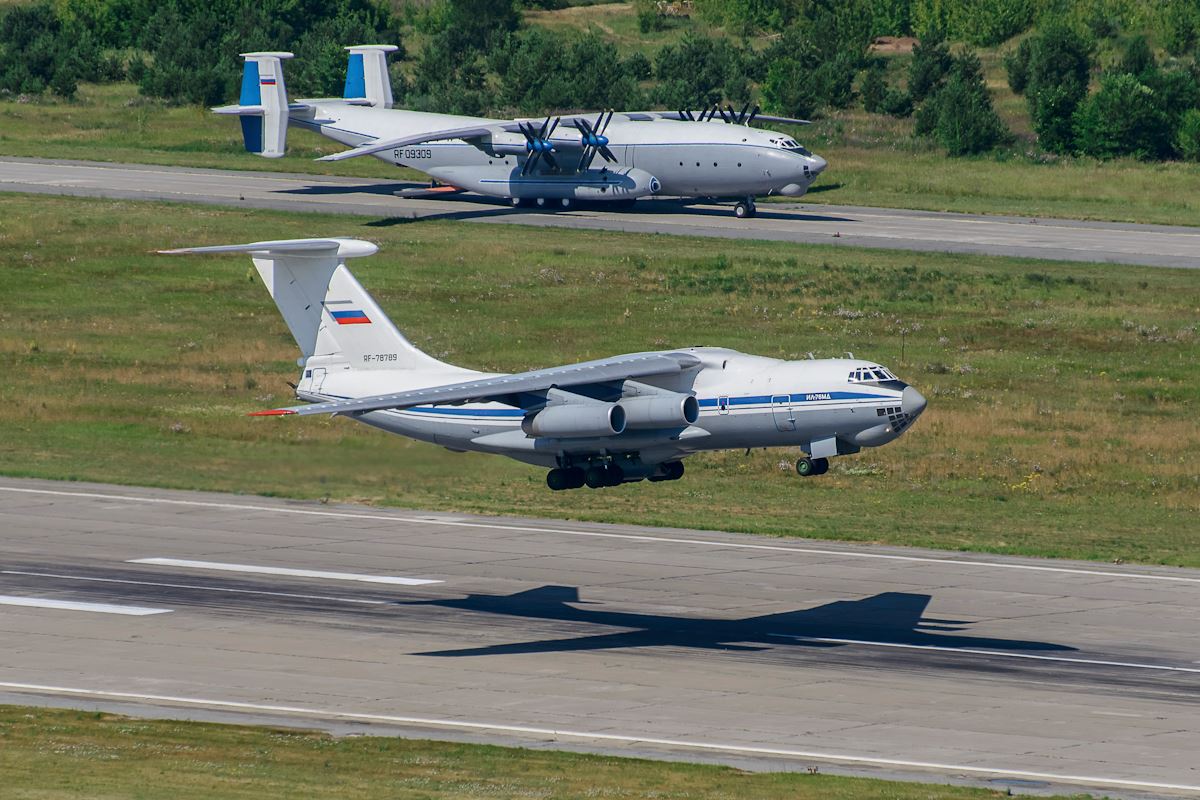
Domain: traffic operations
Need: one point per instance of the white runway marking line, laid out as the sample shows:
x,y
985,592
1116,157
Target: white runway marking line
x,y
70,605
970,651
604,535
295,573
848,758
194,586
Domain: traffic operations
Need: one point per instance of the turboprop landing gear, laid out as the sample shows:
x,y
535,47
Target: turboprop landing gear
x,y
806,466
745,209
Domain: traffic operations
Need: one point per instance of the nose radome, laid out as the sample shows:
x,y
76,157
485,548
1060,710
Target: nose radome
x,y
818,165
912,402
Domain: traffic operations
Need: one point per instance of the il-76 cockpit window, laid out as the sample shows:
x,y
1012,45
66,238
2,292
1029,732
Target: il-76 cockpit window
x,y
873,373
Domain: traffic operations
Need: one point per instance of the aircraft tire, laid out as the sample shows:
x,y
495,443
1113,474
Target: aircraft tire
x,y
595,477
575,477
745,209
805,467
614,475
558,479
821,466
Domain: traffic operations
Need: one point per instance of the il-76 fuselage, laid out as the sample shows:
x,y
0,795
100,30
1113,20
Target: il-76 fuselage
x,y
826,407
667,157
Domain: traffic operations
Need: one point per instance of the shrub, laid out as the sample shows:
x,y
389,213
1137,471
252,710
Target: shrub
x,y
930,64
1016,66
1123,117
873,90
1187,138
1179,23
960,115
1138,60
1056,82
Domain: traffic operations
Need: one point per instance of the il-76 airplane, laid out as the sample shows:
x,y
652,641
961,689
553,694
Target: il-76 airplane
x,y
549,163
600,423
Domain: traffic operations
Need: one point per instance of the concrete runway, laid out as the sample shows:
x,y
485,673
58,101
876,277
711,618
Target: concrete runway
x,y
766,653
1109,242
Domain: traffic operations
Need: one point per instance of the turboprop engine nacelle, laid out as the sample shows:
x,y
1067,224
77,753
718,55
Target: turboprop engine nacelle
x,y
576,421
660,411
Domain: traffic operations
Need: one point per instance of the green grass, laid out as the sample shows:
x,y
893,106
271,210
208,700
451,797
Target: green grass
x,y
52,753
874,160
1062,396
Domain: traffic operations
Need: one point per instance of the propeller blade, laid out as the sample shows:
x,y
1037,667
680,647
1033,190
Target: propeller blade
x,y
554,127
606,121
598,128
732,114
753,114
550,160
724,115
742,115
542,132
608,156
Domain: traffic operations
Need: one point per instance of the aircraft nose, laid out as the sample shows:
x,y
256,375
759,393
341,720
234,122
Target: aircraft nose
x,y
912,402
817,164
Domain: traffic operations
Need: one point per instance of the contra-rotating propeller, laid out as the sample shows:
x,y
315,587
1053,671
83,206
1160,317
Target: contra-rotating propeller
x,y
594,140
538,144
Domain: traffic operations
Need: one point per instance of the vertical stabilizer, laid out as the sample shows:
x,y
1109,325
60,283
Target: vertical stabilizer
x,y
262,105
367,78
331,316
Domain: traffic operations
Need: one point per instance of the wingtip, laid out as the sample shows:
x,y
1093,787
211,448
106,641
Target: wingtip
x,y
271,412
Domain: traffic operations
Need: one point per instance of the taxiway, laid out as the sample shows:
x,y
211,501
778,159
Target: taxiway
x,y
1105,242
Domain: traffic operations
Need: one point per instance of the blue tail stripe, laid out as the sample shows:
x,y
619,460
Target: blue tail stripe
x,y
251,95
356,78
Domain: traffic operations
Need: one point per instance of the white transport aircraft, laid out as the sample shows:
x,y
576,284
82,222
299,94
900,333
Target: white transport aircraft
x,y
599,423
548,163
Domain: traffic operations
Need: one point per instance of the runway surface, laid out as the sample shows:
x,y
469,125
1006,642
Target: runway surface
x,y
769,653
1152,245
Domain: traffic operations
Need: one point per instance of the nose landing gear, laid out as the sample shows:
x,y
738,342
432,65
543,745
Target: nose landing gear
x,y
806,467
745,209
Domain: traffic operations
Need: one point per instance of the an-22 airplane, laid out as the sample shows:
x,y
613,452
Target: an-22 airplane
x,y
599,423
549,163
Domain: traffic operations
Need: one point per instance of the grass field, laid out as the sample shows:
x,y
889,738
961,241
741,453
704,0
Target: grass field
x,y
1062,396
873,160
47,754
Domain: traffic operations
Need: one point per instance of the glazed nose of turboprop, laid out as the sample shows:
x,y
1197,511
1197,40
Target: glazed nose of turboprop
x,y
912,402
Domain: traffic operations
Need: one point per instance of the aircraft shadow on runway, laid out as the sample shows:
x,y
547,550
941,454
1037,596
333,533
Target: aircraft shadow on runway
x,y
479,206
890,617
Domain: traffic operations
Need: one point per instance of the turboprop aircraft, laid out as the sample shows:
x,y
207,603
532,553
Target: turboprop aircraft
x,y
548,163
600,423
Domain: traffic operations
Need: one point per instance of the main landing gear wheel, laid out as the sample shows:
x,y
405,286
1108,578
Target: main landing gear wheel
x,y
599,475
564,478
671,471
806,466
745,209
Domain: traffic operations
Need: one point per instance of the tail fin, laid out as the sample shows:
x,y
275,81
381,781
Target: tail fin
x,y
331,316
263,105
367,78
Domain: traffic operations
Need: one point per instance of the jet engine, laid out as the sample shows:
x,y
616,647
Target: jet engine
x,y
675,410
576,421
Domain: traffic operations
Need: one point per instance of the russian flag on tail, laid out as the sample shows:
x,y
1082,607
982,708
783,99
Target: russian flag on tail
x,y
355,317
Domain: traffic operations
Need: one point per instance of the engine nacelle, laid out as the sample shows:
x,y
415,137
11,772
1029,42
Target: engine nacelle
x,y
576,421
660,411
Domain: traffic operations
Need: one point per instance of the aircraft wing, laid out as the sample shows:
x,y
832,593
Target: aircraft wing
x,y
379,145
637,365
